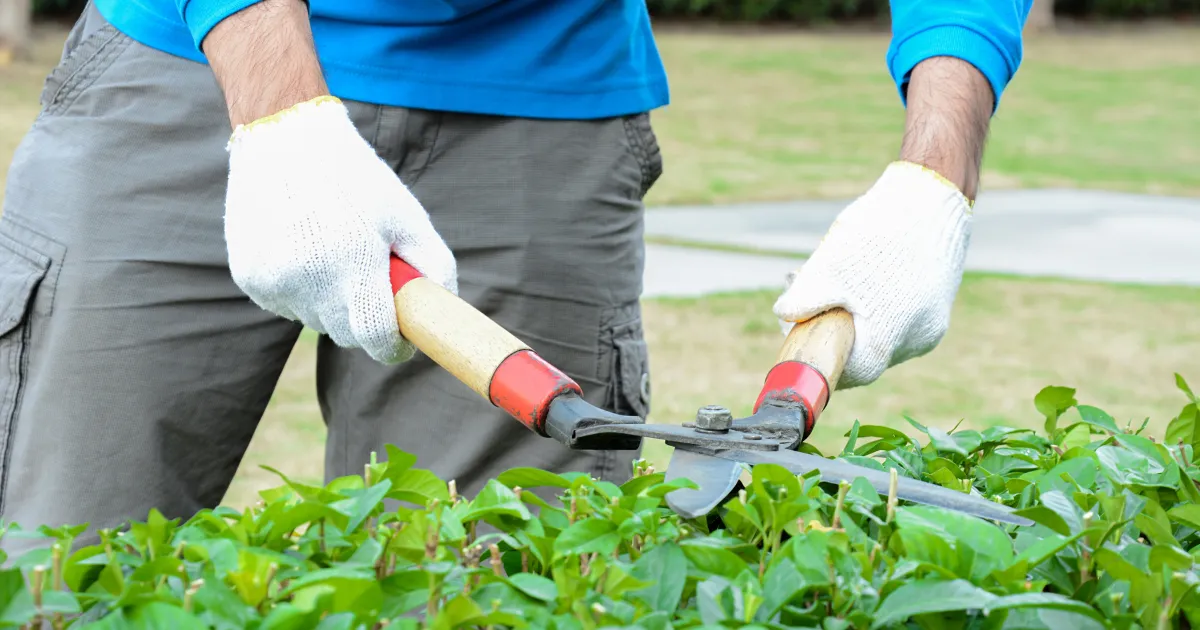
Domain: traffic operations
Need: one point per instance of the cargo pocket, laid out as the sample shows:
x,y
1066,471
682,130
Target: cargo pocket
x,y
644,144
21,272
629,364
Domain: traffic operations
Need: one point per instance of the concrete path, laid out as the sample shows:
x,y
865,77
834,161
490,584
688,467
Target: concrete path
x,y
1086,235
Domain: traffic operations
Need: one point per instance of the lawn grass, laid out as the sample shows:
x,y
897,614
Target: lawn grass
x,y
783,115
799,114
1119,345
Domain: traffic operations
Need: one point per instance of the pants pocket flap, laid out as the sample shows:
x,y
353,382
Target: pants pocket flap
x,y
21,269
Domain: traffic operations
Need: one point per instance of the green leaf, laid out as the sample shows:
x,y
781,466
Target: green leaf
x,y
352,589
1081,470
460,611
882,432
309,492
929,596
665,567
1051,402
998,434
1183,387
1186,513
220,606
249,581
662,489
1058,501
943,477
1118,567
535,586
1098,418
1142,446
152,615
781,583
1079,435
1046,517
496,498
362,503
1184,427
1042,600
417,485
587,536
939,438
525,477
1045,548
1169,556
1155,530
16,603
636,485
992,548
711,560
618,582
398,460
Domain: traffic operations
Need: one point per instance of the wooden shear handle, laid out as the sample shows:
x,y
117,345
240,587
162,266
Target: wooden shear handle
x,y
493,362
810,363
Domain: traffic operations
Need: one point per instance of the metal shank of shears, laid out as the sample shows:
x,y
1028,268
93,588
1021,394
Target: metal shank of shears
x,y
688,437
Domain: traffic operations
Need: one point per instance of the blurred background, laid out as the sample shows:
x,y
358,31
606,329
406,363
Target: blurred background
x,y
1084,273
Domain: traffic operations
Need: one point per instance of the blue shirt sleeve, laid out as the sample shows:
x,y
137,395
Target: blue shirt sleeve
x,y
984,33
201,16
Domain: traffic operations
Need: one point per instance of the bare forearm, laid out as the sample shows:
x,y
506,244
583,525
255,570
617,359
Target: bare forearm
x,y
264,59
949,109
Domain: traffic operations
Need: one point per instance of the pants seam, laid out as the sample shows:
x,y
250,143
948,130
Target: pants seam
x,y
640,154
89,70
20,365
420,170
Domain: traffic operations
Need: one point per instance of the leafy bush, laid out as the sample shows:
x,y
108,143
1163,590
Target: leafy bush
x,y
1115,544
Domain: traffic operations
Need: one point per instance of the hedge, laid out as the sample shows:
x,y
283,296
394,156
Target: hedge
x,y
1114,544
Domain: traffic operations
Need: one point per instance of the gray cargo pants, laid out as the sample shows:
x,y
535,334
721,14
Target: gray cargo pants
x,y
133,371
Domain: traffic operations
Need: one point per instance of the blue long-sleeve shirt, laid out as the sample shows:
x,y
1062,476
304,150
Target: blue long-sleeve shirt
x,y
986,33
541,58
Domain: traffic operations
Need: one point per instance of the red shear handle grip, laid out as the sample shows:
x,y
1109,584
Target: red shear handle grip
x,y
811,362
476,350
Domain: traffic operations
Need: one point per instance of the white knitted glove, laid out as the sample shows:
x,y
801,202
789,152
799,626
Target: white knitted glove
x,y
894,259
311,217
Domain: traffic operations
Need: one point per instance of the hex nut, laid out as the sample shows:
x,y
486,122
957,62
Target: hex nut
x,y
714,418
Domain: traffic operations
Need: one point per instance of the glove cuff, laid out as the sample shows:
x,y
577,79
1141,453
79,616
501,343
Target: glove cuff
x,y
914,169
326,107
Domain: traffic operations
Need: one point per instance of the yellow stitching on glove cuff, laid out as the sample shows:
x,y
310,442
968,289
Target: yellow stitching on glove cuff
x,y
277,116
936,175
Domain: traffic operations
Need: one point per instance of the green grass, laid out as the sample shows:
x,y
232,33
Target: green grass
x,y
802,115
799,114
1119,345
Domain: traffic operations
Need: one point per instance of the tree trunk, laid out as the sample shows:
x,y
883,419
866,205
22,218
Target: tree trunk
x,y
16,20
1041,16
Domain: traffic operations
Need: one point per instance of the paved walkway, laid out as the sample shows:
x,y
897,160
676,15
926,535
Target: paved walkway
x,y
1085,235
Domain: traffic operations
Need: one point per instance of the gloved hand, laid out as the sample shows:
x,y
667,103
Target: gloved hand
x,y
311,217
894,259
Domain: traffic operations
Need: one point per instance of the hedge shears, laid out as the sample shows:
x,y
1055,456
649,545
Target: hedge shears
x,y
712,451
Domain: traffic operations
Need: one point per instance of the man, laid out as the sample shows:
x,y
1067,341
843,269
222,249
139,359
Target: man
x,y
156,268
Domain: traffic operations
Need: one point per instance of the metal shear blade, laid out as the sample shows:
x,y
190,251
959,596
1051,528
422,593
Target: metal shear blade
x,y
714,461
